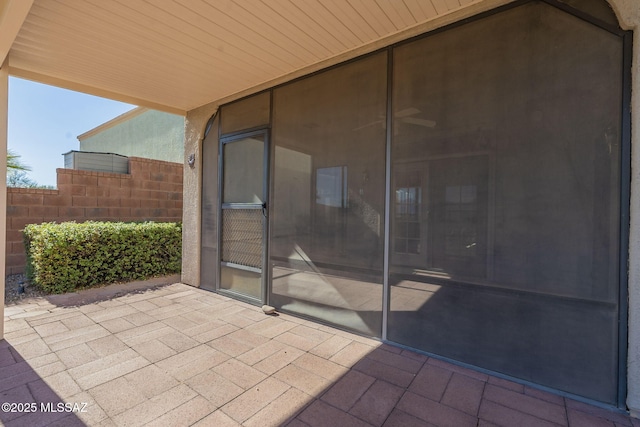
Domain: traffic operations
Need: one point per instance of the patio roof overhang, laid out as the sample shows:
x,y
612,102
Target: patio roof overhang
x,y
178,55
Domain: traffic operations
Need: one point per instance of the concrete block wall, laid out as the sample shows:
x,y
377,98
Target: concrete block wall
x,y
152,191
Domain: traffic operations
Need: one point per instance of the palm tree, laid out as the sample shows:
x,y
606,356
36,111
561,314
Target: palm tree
x,y
14,163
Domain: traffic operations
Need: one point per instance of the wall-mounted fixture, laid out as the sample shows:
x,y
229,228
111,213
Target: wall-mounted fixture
x,y
191,160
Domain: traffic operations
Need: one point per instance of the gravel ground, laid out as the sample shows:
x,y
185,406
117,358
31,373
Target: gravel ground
x,y
13,283
12,292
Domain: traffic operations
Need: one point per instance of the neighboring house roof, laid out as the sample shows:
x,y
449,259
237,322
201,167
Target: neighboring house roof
x,y
122,118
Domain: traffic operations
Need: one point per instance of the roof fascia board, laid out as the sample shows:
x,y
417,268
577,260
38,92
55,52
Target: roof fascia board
x,y
92,90
12,15
113,122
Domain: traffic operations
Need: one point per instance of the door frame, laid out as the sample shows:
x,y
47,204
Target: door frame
x,y
223,140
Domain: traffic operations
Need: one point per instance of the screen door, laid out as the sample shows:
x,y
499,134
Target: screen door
x,y
243,215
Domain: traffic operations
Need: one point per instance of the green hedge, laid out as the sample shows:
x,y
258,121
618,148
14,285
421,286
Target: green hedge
x,y
66,256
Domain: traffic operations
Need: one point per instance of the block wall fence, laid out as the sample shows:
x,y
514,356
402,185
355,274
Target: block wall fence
x,y
152,191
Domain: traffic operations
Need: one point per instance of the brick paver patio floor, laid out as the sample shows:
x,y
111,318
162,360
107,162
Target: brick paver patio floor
x,y
175,355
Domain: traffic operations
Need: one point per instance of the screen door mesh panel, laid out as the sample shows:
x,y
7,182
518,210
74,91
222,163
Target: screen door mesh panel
x,y
242,237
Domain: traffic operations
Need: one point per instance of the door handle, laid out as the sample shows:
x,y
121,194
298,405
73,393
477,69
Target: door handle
x,y
264,209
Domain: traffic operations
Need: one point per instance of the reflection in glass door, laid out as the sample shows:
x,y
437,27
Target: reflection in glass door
x,y
440,220
409,215
243,215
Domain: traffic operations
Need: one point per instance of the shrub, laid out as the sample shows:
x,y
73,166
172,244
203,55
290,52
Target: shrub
x,y
66,256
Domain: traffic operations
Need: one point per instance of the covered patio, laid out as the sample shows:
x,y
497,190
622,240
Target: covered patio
x,y
178,351
166,354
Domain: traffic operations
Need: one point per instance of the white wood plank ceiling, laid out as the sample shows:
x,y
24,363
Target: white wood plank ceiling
x,y
176,55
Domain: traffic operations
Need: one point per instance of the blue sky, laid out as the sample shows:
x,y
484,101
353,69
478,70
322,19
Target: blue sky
x,y
44,122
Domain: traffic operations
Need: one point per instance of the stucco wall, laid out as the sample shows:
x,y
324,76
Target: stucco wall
x,y
628,12
195,124
150,134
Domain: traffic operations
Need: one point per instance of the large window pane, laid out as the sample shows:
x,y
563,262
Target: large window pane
x,y
327,214
505,192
